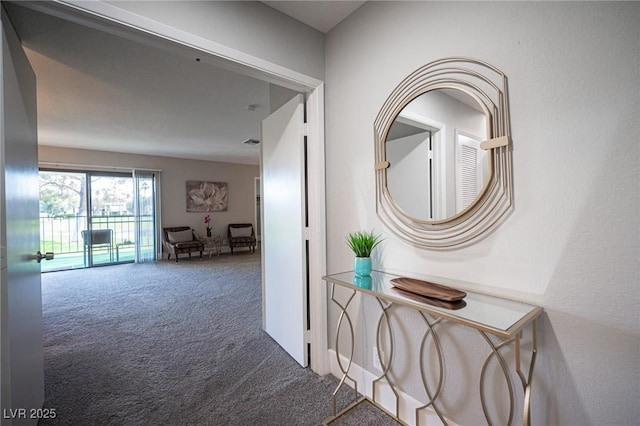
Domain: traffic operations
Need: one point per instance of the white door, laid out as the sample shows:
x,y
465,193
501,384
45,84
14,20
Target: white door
x,y
20,297
284,277
469,171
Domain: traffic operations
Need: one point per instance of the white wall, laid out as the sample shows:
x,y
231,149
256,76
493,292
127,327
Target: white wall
x,y
571,243
408,157
175,173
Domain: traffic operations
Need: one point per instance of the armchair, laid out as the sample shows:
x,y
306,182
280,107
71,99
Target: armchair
x,y
180,239
241,235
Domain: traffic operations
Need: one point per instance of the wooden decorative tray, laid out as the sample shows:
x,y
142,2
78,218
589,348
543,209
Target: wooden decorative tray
x,y
425,288
458,304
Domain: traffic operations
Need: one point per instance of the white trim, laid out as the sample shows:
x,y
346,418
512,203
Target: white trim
x,y
90,167
384,396
257,214
317,229
417,120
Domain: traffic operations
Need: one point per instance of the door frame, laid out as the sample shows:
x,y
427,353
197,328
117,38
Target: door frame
x,y
257,208
118,21
438,140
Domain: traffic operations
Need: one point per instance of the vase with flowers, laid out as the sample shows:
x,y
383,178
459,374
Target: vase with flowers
x,y
207,222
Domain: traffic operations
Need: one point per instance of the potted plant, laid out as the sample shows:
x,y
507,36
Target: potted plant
x,y
362,244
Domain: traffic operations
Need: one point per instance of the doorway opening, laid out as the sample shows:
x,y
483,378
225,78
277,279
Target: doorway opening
x,y
135,28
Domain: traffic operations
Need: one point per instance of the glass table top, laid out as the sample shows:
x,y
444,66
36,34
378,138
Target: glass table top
x,y
498,316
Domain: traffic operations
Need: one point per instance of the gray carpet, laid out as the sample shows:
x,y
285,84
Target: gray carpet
x,y
173,344
363,413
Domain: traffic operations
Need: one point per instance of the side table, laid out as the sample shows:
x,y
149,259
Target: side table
x,y
212,243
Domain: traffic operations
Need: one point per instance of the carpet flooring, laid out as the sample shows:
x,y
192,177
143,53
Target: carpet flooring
x,y
171,344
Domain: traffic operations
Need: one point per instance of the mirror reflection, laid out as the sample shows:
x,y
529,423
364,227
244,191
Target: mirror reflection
x,y
437,167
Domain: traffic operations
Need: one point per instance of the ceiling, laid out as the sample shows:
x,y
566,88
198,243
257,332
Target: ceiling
x,y
99,91
321,15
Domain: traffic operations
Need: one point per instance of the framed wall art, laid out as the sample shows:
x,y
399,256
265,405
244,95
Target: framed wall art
x,y
206,196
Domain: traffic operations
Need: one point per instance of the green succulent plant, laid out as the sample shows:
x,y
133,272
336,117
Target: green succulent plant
x,y
362,243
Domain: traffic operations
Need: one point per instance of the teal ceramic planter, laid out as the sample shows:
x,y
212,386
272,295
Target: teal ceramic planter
x,y
362,266
363,282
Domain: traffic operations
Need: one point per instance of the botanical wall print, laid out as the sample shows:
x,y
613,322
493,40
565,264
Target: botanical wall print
x,y
206,196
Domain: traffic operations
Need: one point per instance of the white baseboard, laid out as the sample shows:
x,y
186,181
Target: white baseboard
x,y
384,395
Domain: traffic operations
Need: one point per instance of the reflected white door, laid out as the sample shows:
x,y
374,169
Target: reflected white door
x,y
284,276
22,373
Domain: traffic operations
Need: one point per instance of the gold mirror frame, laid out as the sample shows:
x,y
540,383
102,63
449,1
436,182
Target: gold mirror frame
x,y
487,85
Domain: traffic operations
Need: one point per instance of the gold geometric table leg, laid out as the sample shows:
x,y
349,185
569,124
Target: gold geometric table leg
x,y
526,381
345,370
438,350
385,364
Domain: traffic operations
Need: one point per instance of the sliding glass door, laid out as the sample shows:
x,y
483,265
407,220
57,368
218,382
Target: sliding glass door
x,y
145,214
63,217
109,237
94,218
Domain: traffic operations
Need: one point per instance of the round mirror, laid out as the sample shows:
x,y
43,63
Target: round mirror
x,y
437,168
443,160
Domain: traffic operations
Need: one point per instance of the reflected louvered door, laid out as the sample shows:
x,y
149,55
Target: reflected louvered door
x,y
469,173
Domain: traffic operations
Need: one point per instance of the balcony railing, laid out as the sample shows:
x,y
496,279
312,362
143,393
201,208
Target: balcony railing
x,y
63,235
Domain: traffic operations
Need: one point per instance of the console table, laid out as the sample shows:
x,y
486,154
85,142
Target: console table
x,y
489,315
